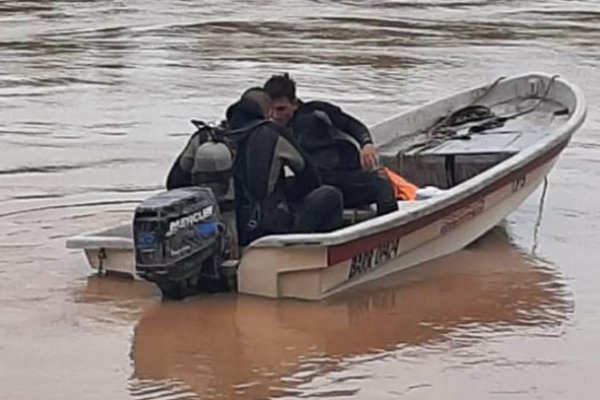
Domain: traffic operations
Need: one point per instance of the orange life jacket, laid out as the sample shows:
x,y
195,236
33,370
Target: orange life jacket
x,y
403,189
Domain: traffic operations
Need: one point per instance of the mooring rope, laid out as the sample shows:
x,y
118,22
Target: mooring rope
x,y
538,221
442,131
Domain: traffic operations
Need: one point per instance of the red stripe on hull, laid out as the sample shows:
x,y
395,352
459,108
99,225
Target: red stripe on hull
x,y
345,251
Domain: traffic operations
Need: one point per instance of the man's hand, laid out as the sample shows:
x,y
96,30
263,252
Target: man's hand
x,y
368,157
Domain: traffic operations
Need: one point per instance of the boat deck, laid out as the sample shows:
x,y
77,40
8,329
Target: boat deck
x,y
447,158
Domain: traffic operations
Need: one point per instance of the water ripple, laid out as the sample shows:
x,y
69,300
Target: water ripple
x,y
163,390
47,169
91,91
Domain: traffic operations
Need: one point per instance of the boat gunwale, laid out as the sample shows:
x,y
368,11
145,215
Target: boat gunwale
x,y
98,239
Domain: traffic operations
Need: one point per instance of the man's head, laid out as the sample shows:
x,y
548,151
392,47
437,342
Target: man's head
x,y
254,104
261,97
282,90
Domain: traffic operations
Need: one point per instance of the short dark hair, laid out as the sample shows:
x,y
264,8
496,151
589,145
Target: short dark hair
x,y
260,96
253,89
279,86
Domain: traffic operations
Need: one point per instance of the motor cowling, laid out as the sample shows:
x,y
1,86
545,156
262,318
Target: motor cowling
x,y
180,242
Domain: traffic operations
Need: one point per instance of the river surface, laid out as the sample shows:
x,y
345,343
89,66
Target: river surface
x,y
95,99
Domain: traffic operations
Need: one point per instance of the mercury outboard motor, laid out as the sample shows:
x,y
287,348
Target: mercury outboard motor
x,y
181,242
185,239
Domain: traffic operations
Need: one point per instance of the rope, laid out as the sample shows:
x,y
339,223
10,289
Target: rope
x,y
477,100
538,221
536,105
441,131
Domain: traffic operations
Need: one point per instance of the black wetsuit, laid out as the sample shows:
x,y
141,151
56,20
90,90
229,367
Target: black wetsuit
x,y
267,201
332,139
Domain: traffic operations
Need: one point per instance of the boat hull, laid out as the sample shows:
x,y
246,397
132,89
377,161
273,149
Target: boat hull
x,y
108,251
314,273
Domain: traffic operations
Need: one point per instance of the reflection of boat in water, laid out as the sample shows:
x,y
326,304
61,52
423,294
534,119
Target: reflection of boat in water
x,y
115,300
225,344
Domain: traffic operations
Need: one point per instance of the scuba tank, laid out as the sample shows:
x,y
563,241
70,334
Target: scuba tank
x,y
213,167
209,158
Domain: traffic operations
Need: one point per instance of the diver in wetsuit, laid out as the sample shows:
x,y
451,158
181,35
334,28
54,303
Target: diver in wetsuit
x,y
268,202
340,146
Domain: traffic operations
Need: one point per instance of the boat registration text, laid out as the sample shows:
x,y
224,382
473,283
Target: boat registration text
x,y
373,258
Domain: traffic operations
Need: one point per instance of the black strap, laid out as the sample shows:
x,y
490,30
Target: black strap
x,y
246,129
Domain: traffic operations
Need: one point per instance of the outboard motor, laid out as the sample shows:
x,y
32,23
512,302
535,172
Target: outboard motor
x,y
185,239
181,242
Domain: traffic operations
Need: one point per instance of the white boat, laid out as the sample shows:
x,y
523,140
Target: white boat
x,y
485,168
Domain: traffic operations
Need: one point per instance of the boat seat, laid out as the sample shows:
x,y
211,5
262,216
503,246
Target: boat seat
x,y
355,215
451,162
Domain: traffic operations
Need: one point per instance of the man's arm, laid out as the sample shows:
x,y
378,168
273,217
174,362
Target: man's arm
x,y
177,177
344,121
305,177
180,173
268,153
353,127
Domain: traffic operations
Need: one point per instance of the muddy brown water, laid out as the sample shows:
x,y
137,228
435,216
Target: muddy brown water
x,y
95,98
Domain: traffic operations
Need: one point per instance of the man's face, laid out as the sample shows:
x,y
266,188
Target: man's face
x,y
282,110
